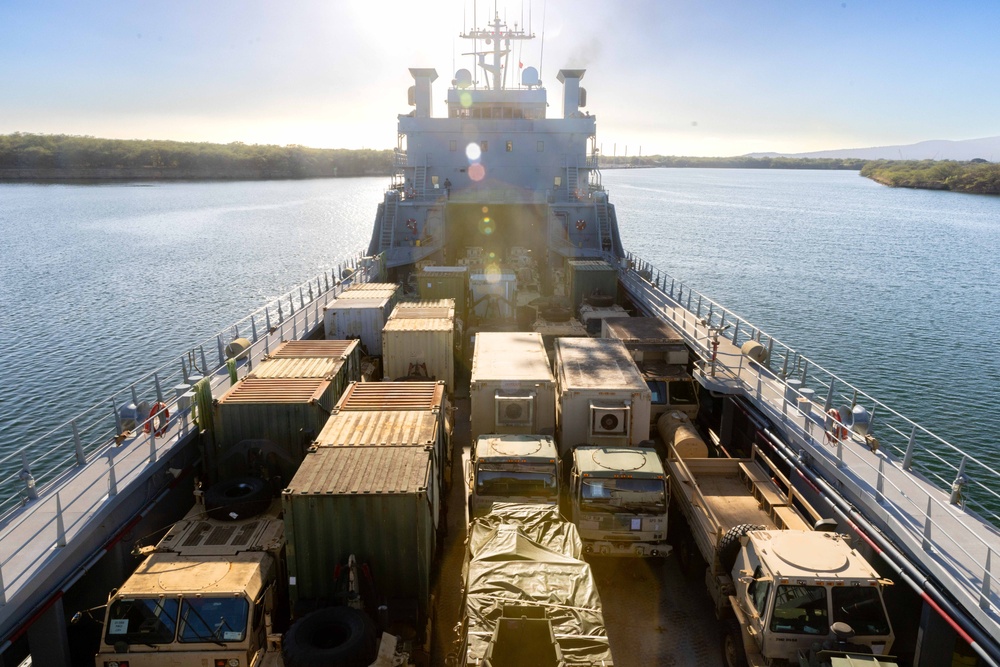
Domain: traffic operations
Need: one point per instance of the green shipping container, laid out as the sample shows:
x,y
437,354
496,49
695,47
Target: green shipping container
x,y
372,502
445,282
585,276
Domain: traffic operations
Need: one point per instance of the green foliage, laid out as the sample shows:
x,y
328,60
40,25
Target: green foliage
x,y
738,162
175,159
975,176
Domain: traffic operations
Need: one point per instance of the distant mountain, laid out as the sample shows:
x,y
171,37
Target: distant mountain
x,y
969,149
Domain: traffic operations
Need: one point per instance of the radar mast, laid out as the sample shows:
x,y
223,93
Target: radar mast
x,y
497,32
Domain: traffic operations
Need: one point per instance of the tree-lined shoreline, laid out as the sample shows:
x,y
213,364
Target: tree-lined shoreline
x,y
26,157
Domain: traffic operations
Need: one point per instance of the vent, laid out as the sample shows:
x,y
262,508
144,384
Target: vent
x,y
205,534
608,421
515,410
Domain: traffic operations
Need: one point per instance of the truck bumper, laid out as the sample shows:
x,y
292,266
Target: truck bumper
x,y
626,549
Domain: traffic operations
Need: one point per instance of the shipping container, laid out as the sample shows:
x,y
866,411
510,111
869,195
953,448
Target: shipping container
x,y
338,360
587,276
361,318
376,503
419,347
445,282
512,389
648,339
493,294
267,424
425,308
592,317
603,398
390,428
388,397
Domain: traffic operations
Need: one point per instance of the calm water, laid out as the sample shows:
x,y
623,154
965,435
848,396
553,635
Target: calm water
x,y
897,291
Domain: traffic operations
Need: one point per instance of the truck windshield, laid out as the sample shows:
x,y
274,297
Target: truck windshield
x,y
142,620
861,608
629,493
213,619
519,479
800,610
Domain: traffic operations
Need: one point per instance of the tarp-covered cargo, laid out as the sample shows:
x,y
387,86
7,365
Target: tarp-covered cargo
x,y
529,556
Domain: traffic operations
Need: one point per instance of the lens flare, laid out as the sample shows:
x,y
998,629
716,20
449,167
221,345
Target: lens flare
x,y
477,172
465,99
473,152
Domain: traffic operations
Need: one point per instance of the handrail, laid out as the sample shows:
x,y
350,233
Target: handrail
x,y
27,471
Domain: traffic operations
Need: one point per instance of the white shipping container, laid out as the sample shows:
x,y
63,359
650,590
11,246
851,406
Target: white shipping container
x,y
419,346
593,316
512,389
363,319
603,398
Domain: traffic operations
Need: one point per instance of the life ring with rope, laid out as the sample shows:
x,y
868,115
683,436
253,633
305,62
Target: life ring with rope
x,y
835,429
158,415
581,225
411,224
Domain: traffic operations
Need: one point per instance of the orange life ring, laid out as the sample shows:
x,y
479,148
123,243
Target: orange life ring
x,y
581,225
835,429
158,414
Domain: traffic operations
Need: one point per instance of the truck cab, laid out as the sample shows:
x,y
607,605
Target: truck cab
x,y
206,594
795,589
619,501
512,468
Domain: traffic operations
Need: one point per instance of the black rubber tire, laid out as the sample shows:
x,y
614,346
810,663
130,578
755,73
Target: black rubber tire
x,y
601,300
555,314
733,654
729,545
237,498
331,637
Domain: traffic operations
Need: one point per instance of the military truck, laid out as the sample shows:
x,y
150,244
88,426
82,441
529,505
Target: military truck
x,y
779,585
529,598
214,591
512,468
210,592
618,501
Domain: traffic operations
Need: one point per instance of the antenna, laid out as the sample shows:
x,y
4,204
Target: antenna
x,y
541,52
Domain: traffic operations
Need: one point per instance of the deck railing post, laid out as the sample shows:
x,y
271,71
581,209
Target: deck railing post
x,y
956,486
908,457
984,597
3,591
829,398
805,370
310,292
184,370
770,350
204,359
253,328
118,417
152,441
281,316
302,298
159,391
840,452
880,484
135,397
112,482
736,332
28,479
698,312
326,281
927,526
81,458
60,524
291,305
295,328
222,351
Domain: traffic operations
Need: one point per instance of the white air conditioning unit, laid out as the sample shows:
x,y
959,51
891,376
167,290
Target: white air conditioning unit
x,y
515,410
609,421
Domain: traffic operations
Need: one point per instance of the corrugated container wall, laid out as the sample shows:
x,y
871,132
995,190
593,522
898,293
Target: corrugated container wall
x,y
586,276
372,502
337,360
512,388
445,282
386,398
603,398
361,318
269,422
419,340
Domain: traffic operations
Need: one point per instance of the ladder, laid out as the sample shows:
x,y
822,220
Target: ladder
x,y
572,180
420,180
388,223
605,224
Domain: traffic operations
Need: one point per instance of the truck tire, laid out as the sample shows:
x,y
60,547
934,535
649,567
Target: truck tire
x,y
331,637
732,644
729,545
237,498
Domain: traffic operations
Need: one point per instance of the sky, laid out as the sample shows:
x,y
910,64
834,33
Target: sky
x,y
668,77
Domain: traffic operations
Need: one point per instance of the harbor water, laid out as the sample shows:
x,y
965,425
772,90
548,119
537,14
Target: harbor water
x,y
895,291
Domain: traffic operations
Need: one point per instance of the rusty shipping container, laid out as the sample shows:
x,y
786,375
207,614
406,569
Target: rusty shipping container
x,y
269,423
390,428
376,503
419,340
337,360
512,388
603,398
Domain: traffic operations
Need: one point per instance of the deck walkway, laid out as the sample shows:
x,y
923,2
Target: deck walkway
x,y
954,545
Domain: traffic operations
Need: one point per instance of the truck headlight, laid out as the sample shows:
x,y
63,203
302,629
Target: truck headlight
x,y
227,662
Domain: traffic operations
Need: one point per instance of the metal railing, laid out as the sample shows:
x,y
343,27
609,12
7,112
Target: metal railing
x,y
29,471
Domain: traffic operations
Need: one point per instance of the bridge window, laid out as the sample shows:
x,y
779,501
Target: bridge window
x,y
484,146
510,146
